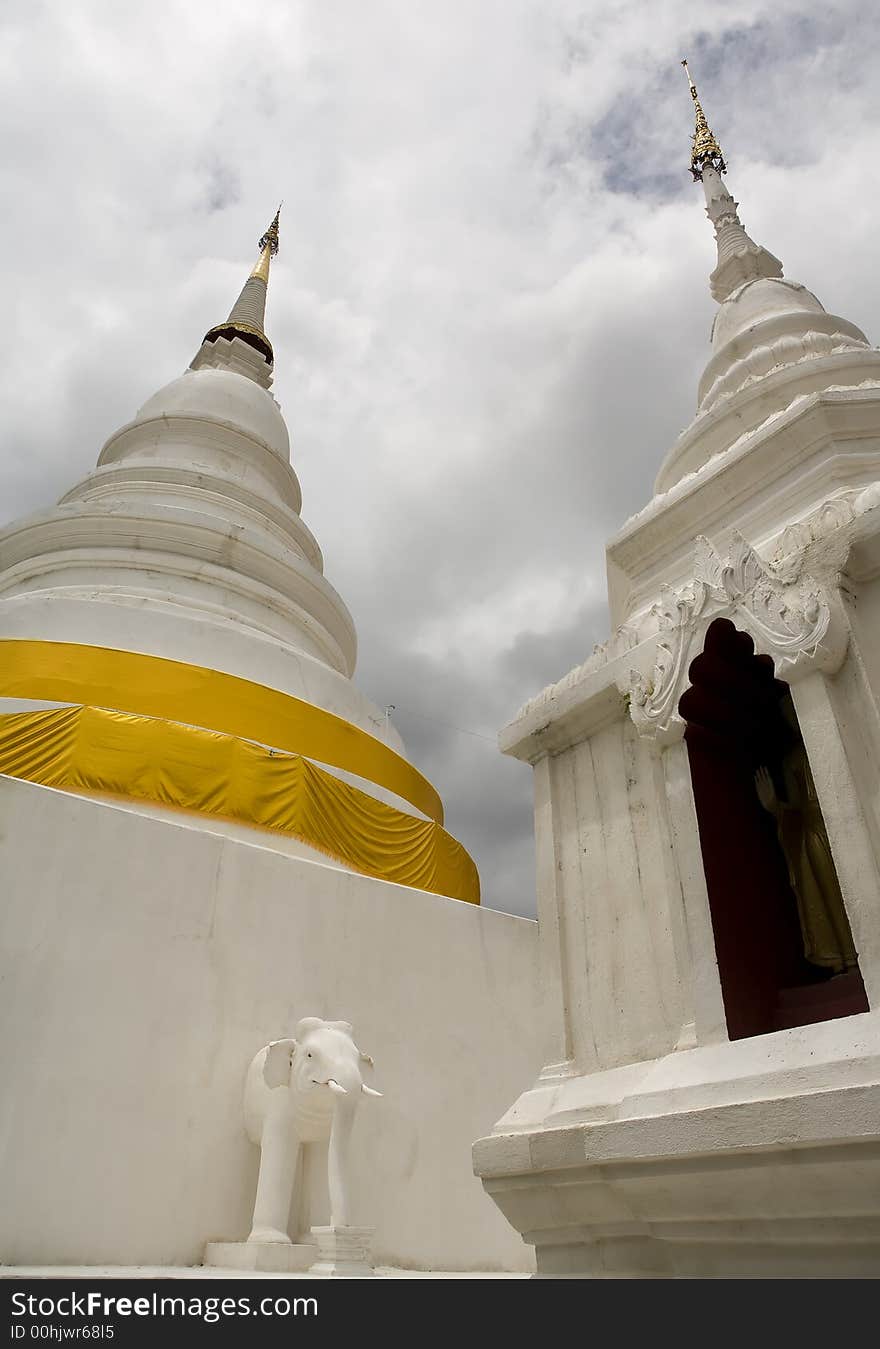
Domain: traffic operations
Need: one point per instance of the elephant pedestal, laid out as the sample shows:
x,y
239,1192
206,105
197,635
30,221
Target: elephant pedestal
x,y
265,1257
343,1252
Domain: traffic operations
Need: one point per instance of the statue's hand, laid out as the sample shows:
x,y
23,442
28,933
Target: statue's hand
x,y
766,791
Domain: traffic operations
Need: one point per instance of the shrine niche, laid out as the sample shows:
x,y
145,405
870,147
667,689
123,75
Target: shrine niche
x,y
782,936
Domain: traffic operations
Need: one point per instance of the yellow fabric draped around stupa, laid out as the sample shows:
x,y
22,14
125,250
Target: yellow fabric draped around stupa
x,y
99,751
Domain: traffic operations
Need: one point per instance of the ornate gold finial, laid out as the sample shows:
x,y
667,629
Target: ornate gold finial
x,y
268,247
706,149
270,238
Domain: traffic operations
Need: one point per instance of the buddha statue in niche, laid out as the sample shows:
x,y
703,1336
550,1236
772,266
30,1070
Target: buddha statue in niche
x,y
802,836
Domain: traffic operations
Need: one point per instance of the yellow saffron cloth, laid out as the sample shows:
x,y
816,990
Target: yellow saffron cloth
x,y
90,749
127,681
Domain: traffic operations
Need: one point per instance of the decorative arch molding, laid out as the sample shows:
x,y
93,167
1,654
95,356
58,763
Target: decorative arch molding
x,y
799,624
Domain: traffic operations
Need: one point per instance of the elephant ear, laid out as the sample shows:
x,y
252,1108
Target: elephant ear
x,y
276,1066
345,1026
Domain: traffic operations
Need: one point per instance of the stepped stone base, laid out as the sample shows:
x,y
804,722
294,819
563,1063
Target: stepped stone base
x,y
751,1159
344,1252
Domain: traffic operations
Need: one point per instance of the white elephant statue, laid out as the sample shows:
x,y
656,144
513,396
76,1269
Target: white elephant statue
x,y
300,1091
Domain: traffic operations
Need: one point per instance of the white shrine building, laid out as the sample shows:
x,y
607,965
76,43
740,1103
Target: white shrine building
x,y
207,833
712,1106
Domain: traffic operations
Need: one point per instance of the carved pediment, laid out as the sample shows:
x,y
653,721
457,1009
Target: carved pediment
x,y
796,623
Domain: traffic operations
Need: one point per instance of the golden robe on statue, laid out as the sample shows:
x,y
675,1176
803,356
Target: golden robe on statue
x,y
804,841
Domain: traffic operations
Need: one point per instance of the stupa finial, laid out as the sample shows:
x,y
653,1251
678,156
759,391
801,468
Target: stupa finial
x,y
740,259
268,247
706,149
247,316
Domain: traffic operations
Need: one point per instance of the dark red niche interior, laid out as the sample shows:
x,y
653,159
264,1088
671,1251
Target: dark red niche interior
x,y
734,726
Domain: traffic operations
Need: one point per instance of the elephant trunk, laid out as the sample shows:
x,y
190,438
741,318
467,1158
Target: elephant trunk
x,y
344,1108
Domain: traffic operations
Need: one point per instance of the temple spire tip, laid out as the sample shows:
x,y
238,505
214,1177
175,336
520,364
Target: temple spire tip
x,y
247,316
705,150
268,247
270,238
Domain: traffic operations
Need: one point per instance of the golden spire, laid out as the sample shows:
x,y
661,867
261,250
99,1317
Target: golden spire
x,y
247,315
268,247
706,149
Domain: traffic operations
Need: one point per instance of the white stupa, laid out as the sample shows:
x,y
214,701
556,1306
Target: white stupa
x,y
208,833
708,832
186,545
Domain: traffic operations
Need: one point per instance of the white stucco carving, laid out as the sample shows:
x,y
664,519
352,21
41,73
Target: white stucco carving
x,y
793,623
773,354
834,515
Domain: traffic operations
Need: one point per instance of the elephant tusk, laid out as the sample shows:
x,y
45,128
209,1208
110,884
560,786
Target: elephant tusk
x,y
335,1086
369,1091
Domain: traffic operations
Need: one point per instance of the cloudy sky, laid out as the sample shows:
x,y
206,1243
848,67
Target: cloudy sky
x,y
490,310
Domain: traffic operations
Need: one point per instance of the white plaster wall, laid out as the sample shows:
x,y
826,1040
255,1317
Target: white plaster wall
x,y
621,898
146,961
